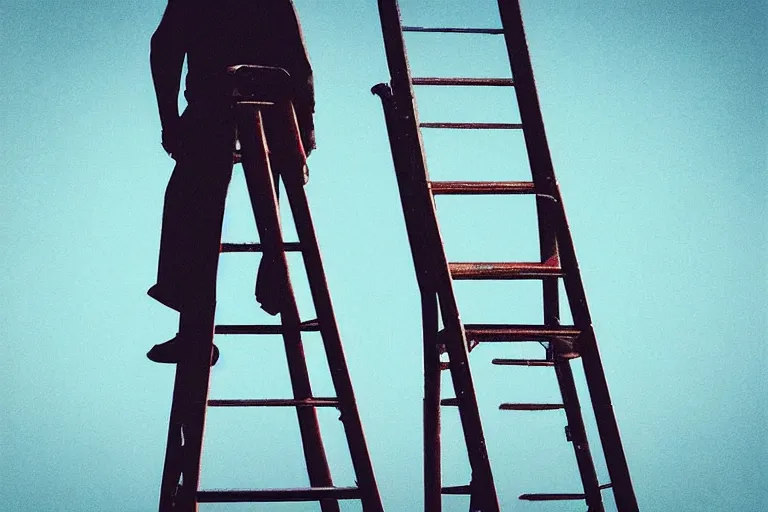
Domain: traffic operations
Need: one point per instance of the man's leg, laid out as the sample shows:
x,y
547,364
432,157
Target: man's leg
x,y
284,157
177,240
192,219
268,286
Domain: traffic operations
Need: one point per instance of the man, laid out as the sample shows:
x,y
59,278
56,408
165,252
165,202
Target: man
x,y
214,35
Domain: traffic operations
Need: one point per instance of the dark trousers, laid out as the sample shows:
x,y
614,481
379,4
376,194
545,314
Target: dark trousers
x,y
194,210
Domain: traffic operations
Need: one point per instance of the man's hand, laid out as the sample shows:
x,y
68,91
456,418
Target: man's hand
x,y
306,130
172,139
308,141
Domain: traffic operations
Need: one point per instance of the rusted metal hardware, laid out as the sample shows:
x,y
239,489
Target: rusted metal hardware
x,y
522,362
486,82
473,126
531,407
519,332
455,30
278,495
307,326
560,496
482,187
256,247
276,402
504,271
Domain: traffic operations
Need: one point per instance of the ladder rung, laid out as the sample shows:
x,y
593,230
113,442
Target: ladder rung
x,y
561,496
516,332
474,126
482,271
257,247
455,30
435,80
276,402
308,326
450,402
523,362
277,495
457,489
482,187
552,497
531,407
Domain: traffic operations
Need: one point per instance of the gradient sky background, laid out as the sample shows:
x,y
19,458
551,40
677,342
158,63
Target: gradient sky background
x,y
655,113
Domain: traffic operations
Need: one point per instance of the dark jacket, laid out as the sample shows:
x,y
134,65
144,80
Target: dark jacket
x,y
216,34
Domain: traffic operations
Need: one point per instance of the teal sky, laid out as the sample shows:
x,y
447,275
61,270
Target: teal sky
x,y
655,114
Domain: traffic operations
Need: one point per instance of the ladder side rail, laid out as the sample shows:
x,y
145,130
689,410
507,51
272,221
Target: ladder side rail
x,y
261,189
329,329
432,370
414,224
483,487
174,451
542,169
577,435
411,191
433,277
456,344
544,177
576,431
190,395
195,380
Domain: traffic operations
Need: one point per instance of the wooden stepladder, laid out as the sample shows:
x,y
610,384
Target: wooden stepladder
x,y
260,93
436,275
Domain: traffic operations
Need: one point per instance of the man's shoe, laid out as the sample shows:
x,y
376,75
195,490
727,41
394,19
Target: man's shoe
x,y
164,297
270,294
270,306
174,351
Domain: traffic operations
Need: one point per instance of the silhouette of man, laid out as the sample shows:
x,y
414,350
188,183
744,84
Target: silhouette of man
x,y
213,35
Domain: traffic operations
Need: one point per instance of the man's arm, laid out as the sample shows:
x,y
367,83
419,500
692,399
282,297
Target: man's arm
x,y
167,50
292,43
